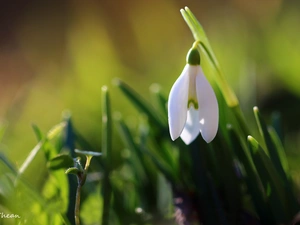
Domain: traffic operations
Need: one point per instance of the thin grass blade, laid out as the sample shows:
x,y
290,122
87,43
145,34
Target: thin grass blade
x,y
142,105
271,146
273,184
107,153
251,178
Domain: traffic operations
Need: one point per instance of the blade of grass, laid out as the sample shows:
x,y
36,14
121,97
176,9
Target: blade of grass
x,y
271,146
61,161
7,163
107,153
69,144
229,180
142,104
135,160
31,157
160,100
209,207
69,135
293,203
53,132
38,133
251,178
280,150
199,35
273,184
277,124
167,172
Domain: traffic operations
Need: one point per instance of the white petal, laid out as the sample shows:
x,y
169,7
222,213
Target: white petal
x,y
177,104
208,108
192,126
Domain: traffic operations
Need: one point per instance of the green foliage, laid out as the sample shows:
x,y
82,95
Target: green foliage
x,y
72,170
46,206
60,161
236,179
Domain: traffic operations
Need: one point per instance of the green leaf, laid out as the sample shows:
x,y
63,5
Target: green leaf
x,y
280,150
106,128
271,146
107,154
50,135
210,203
56,192
69,145
142,105
6,188
194,25
251,178
60,161
273,184
38,132
31,156
160,100
88,153
277,124
23,199
7,163
72,170
227,177
200,36
54,131
131,145
164,169
69,135
293,203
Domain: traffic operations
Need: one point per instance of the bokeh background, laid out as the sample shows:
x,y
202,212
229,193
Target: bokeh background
x,y
56,55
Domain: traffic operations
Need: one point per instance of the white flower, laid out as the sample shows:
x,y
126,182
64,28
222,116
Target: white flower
x,y
192,105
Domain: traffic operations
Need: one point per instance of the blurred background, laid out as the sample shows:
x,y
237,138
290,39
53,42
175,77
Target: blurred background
x,y
56,55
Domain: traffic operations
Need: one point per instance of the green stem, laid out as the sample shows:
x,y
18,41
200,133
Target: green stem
x,y
203,43
241,120
107,153
77,203
106,200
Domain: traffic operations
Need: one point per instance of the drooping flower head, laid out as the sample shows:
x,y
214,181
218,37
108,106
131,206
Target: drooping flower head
x,y
193,106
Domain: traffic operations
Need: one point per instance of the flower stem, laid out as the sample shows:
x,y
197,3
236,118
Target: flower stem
x,y
77,203
241,120
202,41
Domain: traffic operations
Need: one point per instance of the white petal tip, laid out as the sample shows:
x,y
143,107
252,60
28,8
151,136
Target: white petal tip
x,y
187,138
173,139
187,142
191,129
209,137
173,135
208,140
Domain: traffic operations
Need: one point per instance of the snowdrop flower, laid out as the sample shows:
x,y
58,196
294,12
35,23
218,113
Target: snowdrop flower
x,y
192,105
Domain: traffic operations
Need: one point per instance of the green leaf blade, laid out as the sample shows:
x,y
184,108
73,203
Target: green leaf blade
x,y
61,161
72,170
271,145
141,104
107,154
251,178
273,184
